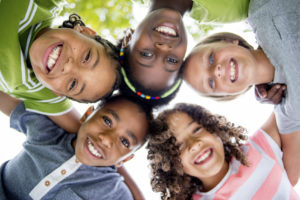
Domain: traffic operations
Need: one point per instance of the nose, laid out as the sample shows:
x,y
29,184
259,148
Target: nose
x,y
106,141
163,46
68,66
218,71
193,145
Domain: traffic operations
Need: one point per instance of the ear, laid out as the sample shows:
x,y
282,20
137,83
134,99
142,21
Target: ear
x,y
85,30
236,42
86,114
120,163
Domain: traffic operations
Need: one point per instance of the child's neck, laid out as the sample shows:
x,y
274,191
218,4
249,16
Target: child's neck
x,y
211,182
264,69
181,6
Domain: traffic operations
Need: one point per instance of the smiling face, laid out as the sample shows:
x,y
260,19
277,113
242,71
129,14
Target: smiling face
x,y
111,134
157,49
202,153
72,64
220,68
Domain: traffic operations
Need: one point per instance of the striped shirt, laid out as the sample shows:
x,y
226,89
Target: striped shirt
x,y
265,178
20,21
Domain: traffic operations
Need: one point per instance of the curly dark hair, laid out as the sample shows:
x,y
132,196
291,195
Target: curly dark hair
x,y
168,176
110,49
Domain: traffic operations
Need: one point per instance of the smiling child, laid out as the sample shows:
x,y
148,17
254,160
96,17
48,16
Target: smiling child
x,y
195,154
42,66
58,165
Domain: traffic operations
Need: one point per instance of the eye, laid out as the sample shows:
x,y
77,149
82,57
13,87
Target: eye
x,y
72,85
146,54
211,58
172,60
197,129
87,57
211,83
107,121
125,142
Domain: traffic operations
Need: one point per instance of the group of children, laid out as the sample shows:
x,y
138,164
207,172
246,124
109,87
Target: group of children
x,y
192,153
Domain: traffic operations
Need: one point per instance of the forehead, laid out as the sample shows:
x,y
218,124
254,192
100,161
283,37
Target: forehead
x,y
129,116
178,122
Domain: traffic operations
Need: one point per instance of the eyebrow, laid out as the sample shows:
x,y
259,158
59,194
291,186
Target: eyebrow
x,y
114,114
128,132
132,136
97,60
81,90
143,65
190,123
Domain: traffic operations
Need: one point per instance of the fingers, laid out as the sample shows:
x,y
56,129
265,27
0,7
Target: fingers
x,y
275,94
261,91
265,93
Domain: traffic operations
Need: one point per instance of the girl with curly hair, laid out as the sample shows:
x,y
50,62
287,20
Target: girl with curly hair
x,y
195,154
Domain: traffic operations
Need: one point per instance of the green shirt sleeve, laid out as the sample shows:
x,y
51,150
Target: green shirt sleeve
x,y
23,20
221,11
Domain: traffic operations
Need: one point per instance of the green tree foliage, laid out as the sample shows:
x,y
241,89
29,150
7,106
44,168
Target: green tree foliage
x,y
107,17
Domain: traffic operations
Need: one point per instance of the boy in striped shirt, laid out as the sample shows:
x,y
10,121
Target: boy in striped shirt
x,y
42,66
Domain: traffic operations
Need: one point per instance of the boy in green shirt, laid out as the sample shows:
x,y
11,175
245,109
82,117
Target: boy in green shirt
x,y
43,66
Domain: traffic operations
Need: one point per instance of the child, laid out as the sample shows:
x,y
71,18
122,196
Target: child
x,y
152,56
41,65
154,52
222,66
58,165
198,155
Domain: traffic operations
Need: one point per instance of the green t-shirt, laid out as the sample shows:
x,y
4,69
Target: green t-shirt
x,y
20,21
219,10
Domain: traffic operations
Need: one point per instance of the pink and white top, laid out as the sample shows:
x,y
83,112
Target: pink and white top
x,y
265,178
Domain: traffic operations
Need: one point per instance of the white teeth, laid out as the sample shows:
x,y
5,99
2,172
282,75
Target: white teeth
x,y
232,71
53,57
203,157
93,150
166,30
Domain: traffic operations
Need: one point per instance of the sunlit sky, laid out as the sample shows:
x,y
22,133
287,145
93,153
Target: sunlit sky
x,y
245,111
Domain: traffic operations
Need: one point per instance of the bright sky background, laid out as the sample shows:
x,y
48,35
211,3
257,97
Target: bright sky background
x,y
245,111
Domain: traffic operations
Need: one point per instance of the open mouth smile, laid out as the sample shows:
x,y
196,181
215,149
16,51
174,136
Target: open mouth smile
x,y
233,70
93,150
204,157
52,57
167,29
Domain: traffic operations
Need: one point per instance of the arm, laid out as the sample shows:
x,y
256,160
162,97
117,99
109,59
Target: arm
x,y
289,143
69,121
291,159
181,6
270,127
7,103
136,192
